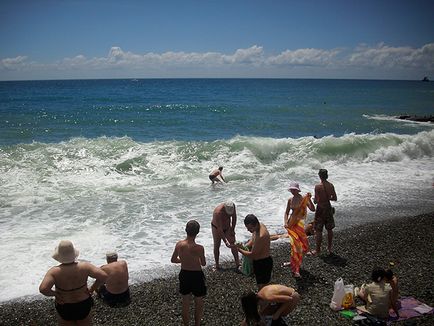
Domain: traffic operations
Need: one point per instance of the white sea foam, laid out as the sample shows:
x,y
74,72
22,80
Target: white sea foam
x,y
114,193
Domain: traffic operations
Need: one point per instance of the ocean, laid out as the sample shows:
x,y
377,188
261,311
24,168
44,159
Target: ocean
x,y
123,164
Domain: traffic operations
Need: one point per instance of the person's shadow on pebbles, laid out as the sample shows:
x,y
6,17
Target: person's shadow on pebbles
x,y
306,281
333,259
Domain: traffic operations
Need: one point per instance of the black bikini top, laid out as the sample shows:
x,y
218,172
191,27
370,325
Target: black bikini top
x,y
58,288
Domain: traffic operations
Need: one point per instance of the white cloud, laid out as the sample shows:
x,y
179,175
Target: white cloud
x,y
253,54
12,63
394,57
389,62
305,57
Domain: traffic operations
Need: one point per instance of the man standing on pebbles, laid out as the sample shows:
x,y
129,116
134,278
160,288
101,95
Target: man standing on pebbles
x,y
224,220
260,254
324,193
191,277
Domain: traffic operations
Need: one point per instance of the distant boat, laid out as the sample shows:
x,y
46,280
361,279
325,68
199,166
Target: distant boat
x,y
425,79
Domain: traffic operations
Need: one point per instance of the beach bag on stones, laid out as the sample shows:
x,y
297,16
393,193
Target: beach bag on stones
x,y
247,266
338,294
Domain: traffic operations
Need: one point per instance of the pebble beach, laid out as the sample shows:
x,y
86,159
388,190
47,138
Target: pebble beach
x,y
404,243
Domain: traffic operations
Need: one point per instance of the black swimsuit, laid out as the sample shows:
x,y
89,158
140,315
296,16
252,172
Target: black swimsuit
x,y
74,311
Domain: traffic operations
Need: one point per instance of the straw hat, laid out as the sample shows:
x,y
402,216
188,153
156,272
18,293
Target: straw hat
x,y
65,252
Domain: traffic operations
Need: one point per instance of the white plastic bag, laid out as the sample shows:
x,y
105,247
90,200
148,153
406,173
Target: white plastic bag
x,y
338,294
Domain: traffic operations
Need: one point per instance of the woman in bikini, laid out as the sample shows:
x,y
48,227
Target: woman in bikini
x,y
294,224
72,299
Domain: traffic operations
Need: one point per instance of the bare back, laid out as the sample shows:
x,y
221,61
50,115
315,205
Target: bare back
x,y
191,255
220,218
70,280
117,281
324,192
275,293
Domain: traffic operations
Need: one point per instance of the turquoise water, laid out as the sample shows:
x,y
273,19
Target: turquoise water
x,y
123,164
205,109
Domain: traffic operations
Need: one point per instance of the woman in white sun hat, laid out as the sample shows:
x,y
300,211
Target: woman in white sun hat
x,y
294,224
72,299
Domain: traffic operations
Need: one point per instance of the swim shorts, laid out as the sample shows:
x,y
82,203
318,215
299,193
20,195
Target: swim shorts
x,y
114,300
192,282
262,269
324,217
75,311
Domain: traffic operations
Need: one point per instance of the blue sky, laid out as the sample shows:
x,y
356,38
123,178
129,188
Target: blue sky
x,y
184,38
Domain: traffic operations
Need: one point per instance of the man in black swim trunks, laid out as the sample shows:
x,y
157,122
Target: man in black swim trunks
x,y
224,220
191,277
115,292
260,253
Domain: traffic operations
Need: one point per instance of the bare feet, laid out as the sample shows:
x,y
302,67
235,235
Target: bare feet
x,y
312,253
297,275
286,264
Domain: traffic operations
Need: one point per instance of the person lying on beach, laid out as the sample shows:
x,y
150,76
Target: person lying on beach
x,y
191,256
260,253
216,175
115,292
377,295
274,299
224,220
73,302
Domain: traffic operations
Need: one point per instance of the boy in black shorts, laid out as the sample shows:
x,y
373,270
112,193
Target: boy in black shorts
x,y
191,277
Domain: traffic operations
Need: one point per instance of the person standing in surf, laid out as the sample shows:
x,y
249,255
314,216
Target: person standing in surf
x,y
216,175
324,193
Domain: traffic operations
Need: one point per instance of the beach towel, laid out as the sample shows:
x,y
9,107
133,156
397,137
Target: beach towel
x,y
408,307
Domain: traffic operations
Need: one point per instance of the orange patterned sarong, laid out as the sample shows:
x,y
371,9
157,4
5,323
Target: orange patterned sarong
x,y
297,236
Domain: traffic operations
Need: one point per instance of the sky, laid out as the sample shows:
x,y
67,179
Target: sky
x,y
78,39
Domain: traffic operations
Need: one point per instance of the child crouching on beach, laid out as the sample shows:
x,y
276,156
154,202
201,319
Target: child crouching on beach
x,y
191,277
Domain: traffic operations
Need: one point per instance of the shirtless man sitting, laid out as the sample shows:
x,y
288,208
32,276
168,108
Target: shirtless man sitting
x,y
260,253
274,299
115,292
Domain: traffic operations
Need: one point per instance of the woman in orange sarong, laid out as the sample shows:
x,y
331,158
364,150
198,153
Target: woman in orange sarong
x,y
298,205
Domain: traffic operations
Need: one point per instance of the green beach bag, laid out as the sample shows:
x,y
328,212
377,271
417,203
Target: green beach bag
x,y
246,263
